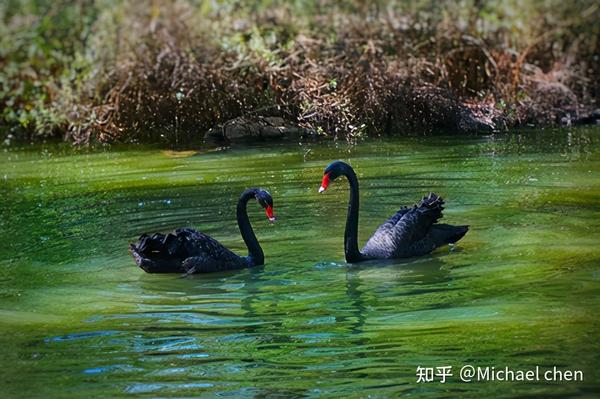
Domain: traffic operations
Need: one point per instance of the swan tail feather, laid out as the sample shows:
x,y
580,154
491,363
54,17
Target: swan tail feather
x,y
431,206
158,253
447,234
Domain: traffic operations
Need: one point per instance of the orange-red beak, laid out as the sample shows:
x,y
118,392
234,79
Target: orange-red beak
x,y
269,212
324,183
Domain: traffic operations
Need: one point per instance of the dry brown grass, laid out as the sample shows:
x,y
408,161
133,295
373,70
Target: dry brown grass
x,y
170,72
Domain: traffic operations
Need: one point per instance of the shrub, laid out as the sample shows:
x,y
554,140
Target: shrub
x,y
109,70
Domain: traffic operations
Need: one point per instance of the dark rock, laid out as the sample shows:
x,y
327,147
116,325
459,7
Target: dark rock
x,y
554,103
566,121
215,136
252,128
470,122
418,107
592,118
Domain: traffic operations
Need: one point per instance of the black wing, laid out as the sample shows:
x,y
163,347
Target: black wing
x,y
205,254
401,235
160,253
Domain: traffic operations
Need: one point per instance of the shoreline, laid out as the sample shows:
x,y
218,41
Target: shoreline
x,y
212,144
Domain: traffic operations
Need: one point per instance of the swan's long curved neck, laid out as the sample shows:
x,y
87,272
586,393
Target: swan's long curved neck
x,y
351,234
255,252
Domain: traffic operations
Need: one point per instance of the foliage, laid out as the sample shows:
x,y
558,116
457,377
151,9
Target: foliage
x,y
106,70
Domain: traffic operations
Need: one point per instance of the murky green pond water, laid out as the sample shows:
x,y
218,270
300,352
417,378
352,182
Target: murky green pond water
x,y
522,289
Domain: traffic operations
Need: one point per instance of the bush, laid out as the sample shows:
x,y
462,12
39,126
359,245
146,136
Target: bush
x,y
111,71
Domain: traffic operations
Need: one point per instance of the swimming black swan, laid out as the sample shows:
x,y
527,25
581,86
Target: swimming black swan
x,y
410,232
190,251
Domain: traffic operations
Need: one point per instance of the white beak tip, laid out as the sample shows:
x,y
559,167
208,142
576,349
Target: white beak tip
x,y
321,189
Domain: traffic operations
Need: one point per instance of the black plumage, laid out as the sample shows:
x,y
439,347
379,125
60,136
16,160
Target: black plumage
x,y
189,251
412,231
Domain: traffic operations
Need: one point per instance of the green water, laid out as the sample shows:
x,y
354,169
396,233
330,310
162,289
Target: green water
x,y
522,289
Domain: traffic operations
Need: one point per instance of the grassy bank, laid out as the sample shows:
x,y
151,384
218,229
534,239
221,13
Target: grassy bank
x,y
108,70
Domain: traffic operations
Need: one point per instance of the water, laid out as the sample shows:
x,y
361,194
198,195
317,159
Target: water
x,y
520,290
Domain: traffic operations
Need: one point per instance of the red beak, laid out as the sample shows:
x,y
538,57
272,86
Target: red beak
x,y
269,212
324,183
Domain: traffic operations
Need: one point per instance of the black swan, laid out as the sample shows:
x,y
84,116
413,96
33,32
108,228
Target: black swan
x,y
410,232
190,251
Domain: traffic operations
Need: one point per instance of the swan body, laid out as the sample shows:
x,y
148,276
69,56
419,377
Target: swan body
x,y
412,231
189,251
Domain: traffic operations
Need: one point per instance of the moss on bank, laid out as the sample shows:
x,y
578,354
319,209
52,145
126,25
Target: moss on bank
x,y
108,70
